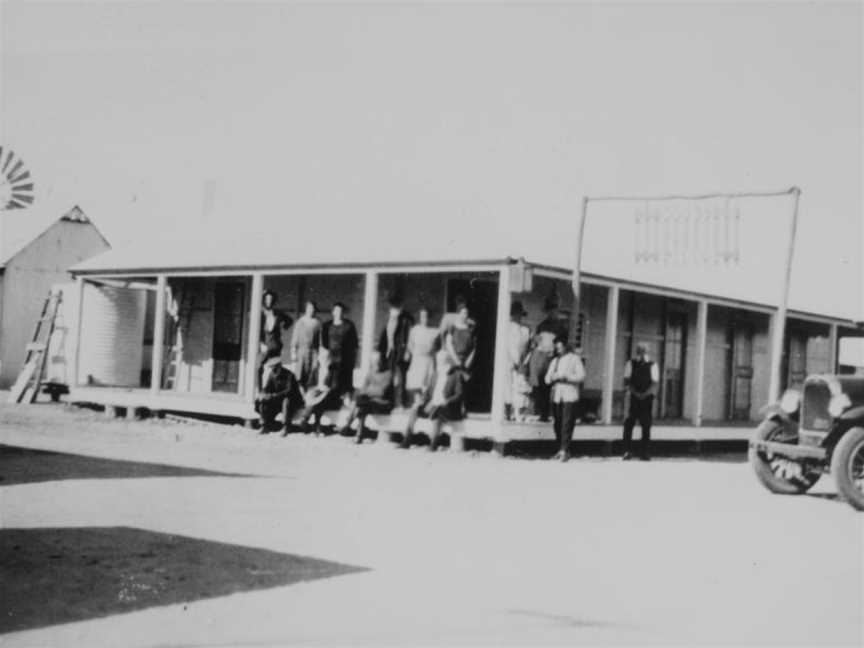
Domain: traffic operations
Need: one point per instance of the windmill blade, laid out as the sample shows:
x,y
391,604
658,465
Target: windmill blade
x,y
23,176
12,204
27,187
14,170
25,197
8,160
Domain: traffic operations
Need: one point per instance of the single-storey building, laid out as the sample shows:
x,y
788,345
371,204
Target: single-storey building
x,y
31,262
175,326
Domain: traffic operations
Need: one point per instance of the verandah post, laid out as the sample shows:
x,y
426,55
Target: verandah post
x,y
701,350
498,376
158,336
254,336
367,333
609,360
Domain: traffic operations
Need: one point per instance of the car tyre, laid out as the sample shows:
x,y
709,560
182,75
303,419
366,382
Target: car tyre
x,y
771,471
847,466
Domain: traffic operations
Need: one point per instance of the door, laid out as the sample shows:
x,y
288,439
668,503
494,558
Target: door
x,y
741,334
228,311
795,360
674,348
482,298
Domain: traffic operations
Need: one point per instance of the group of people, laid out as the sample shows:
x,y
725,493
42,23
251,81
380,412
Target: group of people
x,y
545,374
425,368
415,365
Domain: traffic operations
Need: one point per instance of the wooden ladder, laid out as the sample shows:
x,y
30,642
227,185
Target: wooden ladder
x,y
26,386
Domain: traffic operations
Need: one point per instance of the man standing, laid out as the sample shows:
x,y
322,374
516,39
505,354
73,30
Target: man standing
x,y
393,348
641,378
541,357
565,374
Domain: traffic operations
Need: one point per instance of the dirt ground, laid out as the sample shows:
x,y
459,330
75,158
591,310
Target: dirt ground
x,y
446,548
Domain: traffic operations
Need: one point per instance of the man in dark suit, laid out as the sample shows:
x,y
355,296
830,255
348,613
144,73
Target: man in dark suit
x,y
278,392
641,378
392,347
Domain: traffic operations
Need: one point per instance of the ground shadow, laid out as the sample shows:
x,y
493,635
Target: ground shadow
x,y
715,450
59,575
562,619
26,466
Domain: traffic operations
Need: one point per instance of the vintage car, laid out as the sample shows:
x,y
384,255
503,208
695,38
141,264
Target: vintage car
x,y
814,430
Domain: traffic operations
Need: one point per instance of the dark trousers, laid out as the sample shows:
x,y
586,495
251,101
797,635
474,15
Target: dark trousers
x,y
564,420
640,410
541,395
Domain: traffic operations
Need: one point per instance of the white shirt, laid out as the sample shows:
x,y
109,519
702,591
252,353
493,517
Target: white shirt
x,y
564,374
517,342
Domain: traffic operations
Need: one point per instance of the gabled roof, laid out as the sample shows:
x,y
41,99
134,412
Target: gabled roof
x,y
19,228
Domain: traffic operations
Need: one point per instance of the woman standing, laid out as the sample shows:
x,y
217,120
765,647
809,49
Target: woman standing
x,y
339,337
304,346
459,340
423,342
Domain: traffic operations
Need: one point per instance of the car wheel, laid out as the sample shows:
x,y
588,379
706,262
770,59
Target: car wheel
x,y
847,466
780,474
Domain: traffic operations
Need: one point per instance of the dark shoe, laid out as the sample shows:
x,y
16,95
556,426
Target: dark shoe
x,y
406,442
359,438
626,456
644,457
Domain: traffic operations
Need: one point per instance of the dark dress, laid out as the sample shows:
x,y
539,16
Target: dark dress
x,y
272,338
341,342
464,342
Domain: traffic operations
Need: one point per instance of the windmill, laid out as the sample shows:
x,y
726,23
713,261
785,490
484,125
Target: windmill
x,y
16,187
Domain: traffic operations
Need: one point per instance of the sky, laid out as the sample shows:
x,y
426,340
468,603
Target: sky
x,y
470,118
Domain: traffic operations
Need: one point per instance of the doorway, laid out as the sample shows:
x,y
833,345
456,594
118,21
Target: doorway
x,y
482,298
228,311
741,387
674,349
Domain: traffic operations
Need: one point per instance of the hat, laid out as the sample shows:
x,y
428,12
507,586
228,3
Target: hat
x,y
516,309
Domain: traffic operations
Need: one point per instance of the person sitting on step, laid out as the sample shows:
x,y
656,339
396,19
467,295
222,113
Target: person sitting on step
x,y
278,392
320,398
374,397
447,401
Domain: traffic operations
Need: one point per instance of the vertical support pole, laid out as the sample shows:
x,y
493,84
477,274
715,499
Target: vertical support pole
x,y
75,379
778,331
254,336
500,368
370,306
701,351
832,349
778,322
158,336
609,361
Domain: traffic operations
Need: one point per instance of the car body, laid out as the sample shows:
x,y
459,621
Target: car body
x,y
811,431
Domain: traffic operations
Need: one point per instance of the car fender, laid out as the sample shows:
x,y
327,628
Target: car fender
x,y
853,414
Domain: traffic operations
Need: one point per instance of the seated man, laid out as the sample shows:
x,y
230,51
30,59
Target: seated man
x,y
320,398
375,397
447,399
278,391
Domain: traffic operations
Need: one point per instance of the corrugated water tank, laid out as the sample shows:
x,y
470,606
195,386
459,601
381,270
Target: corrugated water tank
x,y
112,336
